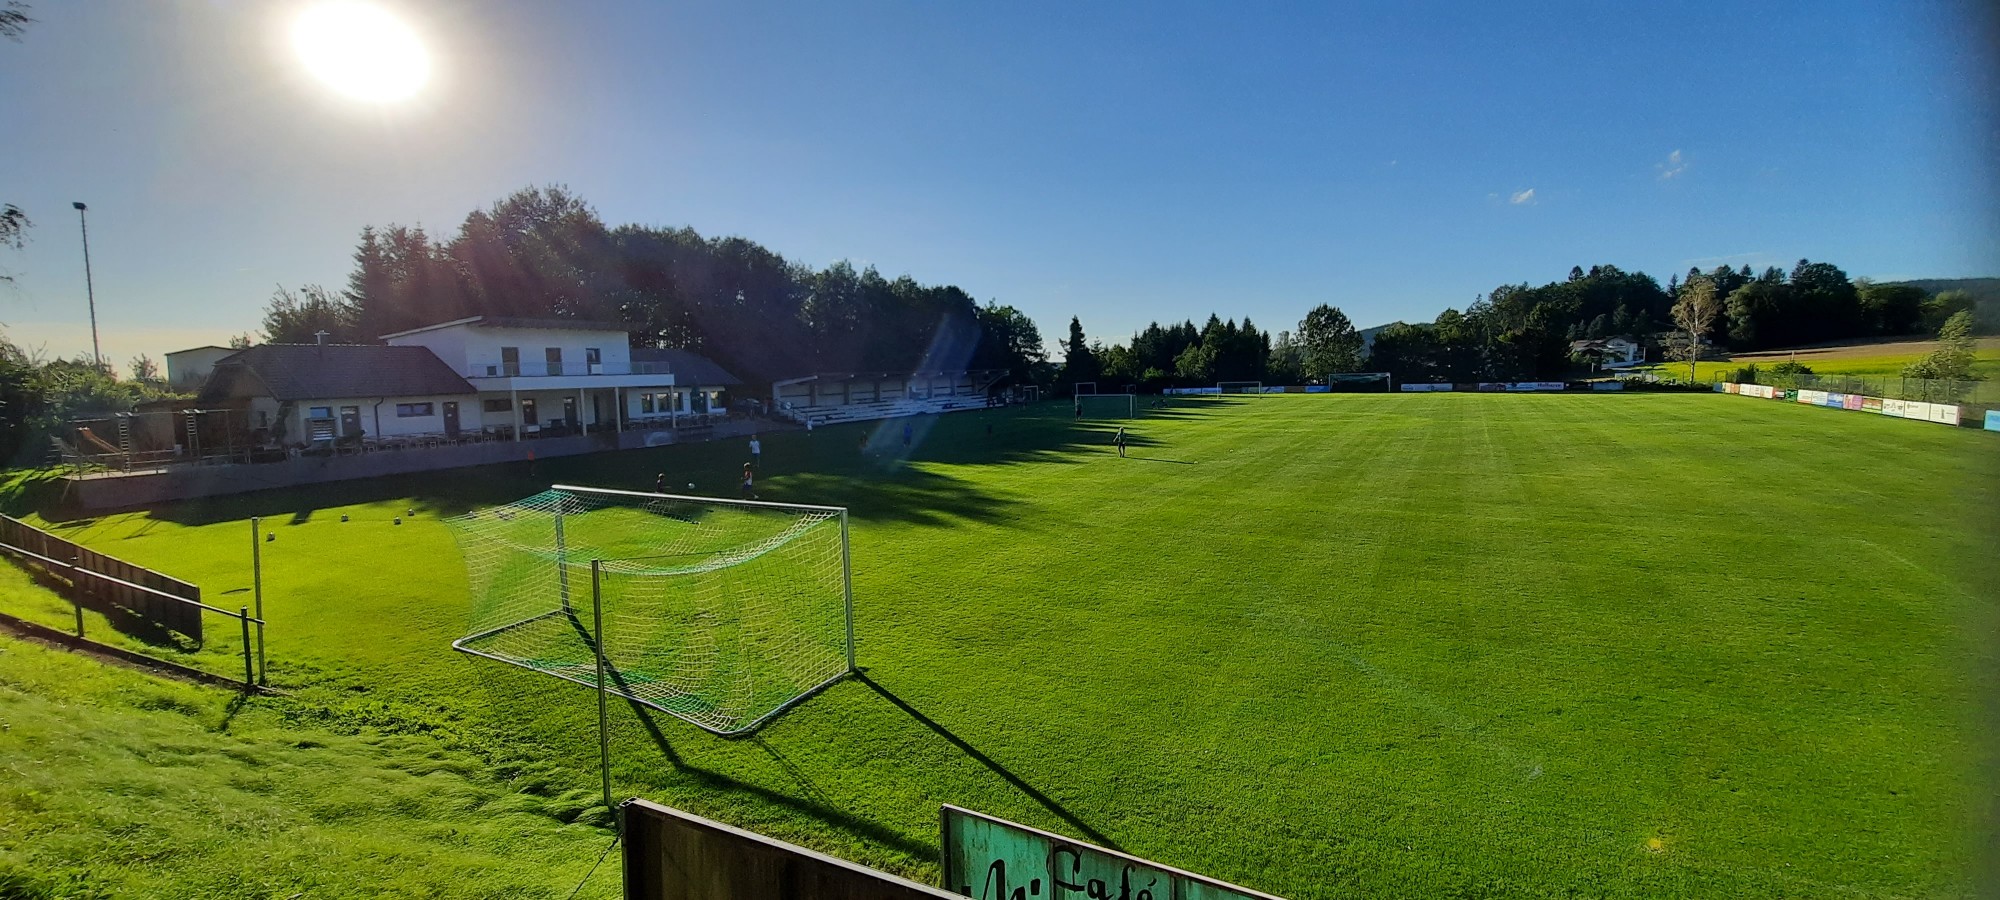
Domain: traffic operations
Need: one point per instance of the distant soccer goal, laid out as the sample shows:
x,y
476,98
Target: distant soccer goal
x,y
1109,406
1084,388
1239,387
1367,382
720,612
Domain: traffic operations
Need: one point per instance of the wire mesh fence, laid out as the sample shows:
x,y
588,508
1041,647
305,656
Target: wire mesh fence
x,y
1891,387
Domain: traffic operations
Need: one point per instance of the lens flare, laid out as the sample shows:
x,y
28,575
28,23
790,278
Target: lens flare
x,y
361,51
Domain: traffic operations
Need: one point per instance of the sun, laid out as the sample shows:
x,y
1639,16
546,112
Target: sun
x,y
361,51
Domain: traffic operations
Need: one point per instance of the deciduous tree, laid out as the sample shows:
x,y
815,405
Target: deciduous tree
x,y
1328,342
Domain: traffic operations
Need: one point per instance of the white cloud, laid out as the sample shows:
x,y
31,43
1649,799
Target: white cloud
x,y
1676,164
1522,198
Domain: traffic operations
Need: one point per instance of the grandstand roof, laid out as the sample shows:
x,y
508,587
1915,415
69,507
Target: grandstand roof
x,y
687,367
852,376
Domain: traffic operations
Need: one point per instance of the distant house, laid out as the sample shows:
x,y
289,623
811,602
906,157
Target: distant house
x,y
485,377
1611,353
566,376
187,369
310,393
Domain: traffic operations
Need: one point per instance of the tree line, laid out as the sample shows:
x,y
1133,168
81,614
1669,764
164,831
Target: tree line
x,y
1522,332
543,252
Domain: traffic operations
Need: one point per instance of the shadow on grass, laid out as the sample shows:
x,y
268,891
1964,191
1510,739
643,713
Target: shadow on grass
x,y
814,806
865,466
1024,787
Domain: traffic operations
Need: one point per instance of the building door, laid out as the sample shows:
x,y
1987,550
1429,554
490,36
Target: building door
x,y
528,412
569,414
597,408
350,421
451,419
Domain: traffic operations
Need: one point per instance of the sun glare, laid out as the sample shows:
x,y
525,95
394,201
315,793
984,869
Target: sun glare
x,y
361,51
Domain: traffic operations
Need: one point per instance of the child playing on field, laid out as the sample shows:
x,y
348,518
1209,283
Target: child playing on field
x,y
1119,440
749,483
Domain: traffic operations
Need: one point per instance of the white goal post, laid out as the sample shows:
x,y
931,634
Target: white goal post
x,y
1108,406
1239,387
720,612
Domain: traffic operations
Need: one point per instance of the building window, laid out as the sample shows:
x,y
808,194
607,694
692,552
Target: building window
x,y
594,359
554,355
510,361
646,403
501,404
319,412
413,410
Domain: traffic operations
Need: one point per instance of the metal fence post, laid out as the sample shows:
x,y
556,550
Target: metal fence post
x,y
603,700
249,672
257,587
79,612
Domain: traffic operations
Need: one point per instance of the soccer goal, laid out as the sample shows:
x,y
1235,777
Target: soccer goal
x,y
1109,406
1367,382
1239,387
720,612
1085,389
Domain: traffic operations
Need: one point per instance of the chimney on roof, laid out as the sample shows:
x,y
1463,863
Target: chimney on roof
x,y
319,337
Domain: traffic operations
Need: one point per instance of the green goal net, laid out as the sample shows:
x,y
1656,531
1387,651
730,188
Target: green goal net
x,y
720,612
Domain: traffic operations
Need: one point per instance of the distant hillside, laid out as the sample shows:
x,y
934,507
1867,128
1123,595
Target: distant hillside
x,y
1983,290
1368,335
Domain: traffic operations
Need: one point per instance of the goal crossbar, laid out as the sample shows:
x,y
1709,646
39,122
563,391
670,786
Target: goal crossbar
x,y
760,621
648,495
1130,402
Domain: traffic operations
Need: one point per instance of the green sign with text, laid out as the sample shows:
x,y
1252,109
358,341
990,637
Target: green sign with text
x,y
994,859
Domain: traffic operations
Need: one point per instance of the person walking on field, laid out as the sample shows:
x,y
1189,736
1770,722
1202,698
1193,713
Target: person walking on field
x,y
1119,440
660,483
749,483
756,450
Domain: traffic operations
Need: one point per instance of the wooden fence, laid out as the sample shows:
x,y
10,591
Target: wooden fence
x,y
106,584
672,855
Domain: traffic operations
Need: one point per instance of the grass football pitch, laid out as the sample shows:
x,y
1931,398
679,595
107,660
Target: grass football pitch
x,y
1325,646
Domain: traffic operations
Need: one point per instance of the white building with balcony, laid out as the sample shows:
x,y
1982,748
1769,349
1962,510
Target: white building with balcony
x,y
551,377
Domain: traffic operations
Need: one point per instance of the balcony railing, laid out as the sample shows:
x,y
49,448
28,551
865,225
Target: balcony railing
x,y
540,369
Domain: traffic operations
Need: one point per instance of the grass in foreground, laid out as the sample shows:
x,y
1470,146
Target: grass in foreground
x,y
122,784
1646,645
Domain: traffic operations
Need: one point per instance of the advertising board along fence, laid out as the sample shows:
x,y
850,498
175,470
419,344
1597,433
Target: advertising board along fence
x,y
673,855
993,859
150,605
1940,413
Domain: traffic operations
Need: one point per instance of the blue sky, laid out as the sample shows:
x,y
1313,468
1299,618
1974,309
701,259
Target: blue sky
x,y
1119,162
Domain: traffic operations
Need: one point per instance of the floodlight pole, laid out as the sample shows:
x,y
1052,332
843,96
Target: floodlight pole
x,y
603,698
257,586
90,290
847,589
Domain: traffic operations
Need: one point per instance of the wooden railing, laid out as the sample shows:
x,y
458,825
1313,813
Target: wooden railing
x,y
120,590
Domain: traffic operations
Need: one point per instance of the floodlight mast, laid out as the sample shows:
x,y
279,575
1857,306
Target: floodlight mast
x,y
89,288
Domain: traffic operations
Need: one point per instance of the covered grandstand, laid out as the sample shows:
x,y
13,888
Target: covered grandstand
x,y
831,397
